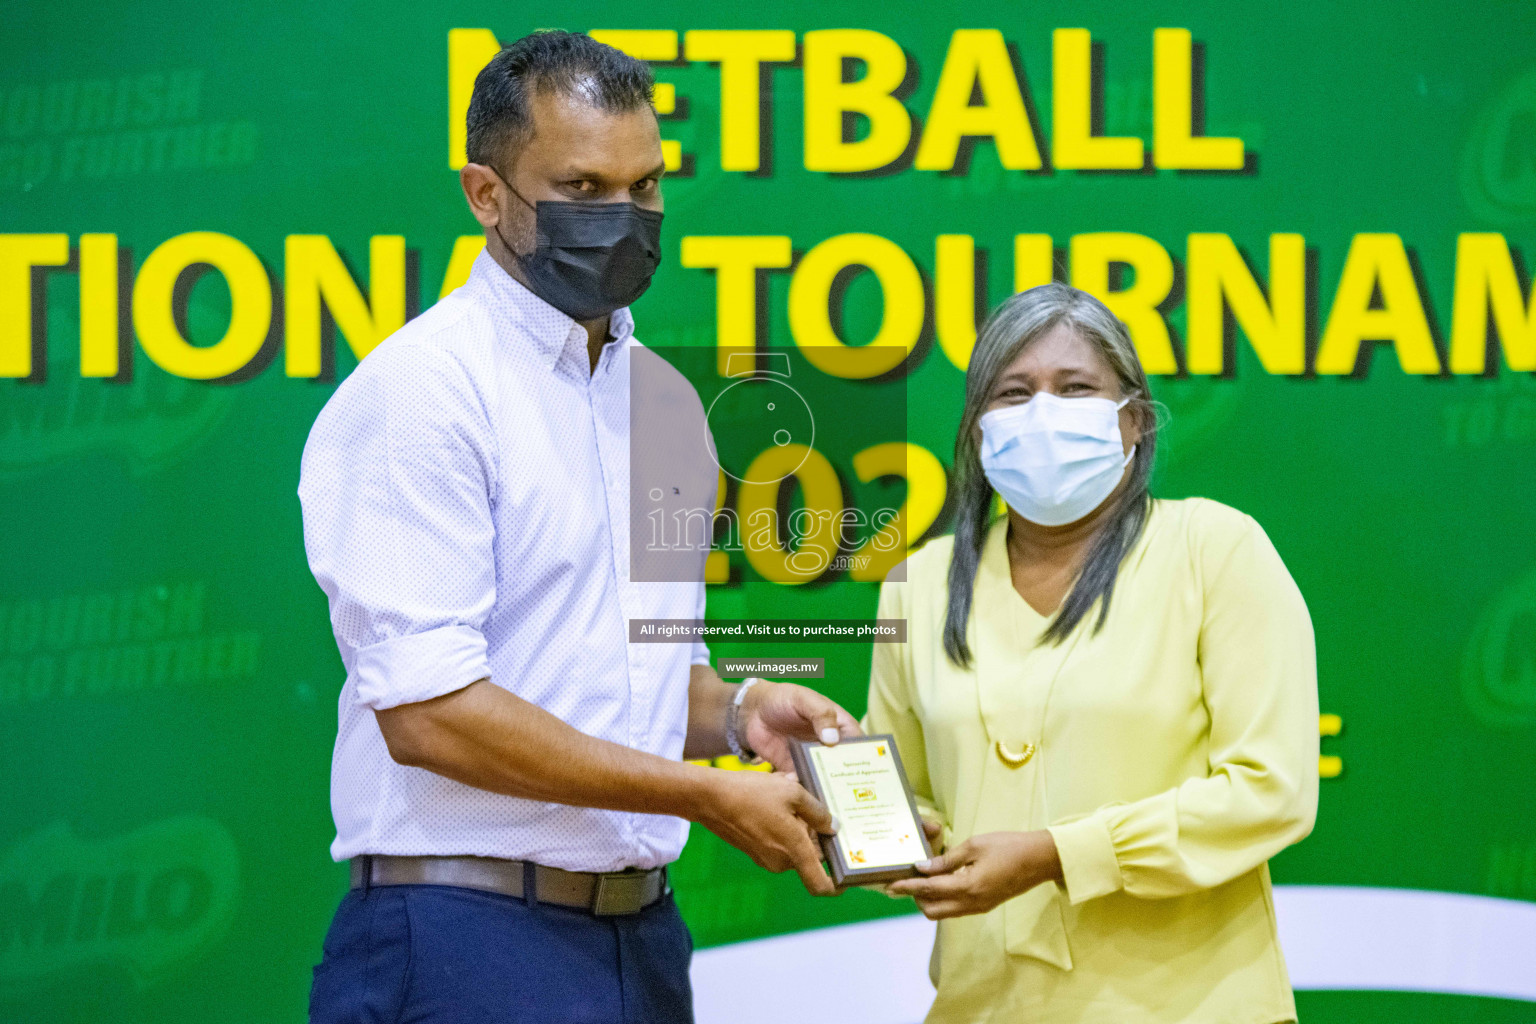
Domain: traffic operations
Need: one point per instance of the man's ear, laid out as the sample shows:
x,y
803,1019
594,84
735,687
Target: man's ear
x,y
479,183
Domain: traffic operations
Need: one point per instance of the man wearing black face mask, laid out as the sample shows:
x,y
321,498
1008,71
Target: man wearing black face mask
x,y
591,258
508,781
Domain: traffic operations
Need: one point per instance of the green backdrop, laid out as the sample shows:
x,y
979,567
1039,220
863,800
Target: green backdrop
x,y
167,674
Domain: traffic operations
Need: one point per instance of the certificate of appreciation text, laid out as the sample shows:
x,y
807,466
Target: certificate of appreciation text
x,y
862,783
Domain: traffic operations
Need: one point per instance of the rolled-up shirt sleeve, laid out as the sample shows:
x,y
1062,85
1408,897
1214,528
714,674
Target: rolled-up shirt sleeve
x,y
396,486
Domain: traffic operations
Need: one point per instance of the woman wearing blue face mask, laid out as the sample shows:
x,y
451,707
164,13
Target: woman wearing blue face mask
x,y
1107,703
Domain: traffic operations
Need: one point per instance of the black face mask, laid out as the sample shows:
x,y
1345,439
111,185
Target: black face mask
x,y
589,259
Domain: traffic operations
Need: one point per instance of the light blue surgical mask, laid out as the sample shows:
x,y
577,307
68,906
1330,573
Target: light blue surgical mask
x,y
1054,459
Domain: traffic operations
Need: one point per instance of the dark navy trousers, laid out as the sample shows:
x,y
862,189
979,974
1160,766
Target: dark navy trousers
x,y
434,954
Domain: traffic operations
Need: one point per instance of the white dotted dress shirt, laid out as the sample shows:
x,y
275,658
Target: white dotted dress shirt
x,y
466,511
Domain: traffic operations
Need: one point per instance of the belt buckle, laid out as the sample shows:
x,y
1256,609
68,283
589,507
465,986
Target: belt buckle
x,y
619,892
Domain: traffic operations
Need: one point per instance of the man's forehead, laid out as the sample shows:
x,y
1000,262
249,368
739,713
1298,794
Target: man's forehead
x,y
572,135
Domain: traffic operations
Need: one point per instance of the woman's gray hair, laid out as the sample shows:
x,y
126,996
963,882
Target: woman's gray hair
x,y
1014,326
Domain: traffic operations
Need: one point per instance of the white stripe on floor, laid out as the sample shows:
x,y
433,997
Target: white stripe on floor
x,y
1334,937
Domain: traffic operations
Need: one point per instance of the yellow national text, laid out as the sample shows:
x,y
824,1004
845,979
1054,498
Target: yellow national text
x,y
1377,300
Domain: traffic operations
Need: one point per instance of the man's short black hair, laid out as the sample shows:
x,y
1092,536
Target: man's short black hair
x,y
500,120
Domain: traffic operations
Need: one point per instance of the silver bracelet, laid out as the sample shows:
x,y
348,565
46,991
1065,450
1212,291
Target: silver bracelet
x,y
733,716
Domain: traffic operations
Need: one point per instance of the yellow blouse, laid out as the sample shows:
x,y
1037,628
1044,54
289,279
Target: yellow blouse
x,y
1171,755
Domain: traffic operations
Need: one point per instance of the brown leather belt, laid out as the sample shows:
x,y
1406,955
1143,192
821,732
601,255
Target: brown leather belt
x,y
604,894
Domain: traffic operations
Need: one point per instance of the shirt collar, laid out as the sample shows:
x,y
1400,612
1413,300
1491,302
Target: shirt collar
x,y
551,330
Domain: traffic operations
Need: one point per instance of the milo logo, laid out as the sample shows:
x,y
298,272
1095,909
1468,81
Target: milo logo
x,y
1198,408
1499,672
149,421
1498,174
144,901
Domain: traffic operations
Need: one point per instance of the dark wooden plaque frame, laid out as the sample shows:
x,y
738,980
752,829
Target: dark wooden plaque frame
x,y
843,873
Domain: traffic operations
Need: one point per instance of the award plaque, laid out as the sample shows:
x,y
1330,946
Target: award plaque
x,y
864,786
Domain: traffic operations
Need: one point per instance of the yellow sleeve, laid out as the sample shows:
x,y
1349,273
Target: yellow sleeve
x,y
1259,672
890,701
